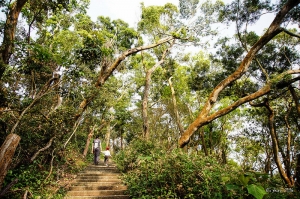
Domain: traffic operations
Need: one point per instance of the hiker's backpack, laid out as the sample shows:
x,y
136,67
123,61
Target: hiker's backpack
x,y
96,143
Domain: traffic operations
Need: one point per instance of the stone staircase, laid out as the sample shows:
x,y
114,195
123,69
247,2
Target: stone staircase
x,y
98,182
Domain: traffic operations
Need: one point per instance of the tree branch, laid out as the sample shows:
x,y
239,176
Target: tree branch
x,y
42,149
204,117
290,33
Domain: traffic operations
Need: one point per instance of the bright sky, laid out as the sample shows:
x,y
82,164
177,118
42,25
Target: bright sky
x,y
127,10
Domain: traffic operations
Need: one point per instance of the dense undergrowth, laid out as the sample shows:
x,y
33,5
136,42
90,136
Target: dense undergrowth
x,y
41,180
152,172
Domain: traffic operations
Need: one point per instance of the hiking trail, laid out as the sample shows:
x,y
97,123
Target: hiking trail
x,y
98,182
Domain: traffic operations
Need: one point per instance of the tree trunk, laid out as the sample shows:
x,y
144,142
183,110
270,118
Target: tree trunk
x,y
107,136
203,142
288,146
145,105
275,144
57,99
268,168
295,98
224,156
181,129
147,90
88,141
122,147
7,151
297,176
9,33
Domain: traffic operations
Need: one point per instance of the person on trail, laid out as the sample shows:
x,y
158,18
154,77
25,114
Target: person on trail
x,y
106,156
96,147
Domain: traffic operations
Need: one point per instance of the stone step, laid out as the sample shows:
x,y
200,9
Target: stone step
x,y
99,197
96,192
104,170
97,173
99,187
100,167
98,182
98,178
107,183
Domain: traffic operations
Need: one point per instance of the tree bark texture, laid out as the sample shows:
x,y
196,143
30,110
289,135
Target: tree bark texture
x,y
204,116
268,152
275,145
203,142
7,152
177,117
107,136
9,33
88,141
288,146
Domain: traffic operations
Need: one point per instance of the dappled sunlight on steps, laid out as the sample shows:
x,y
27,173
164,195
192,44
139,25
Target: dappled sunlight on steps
x,y
98,182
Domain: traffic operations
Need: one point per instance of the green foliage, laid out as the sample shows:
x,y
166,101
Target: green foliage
x,y
245,183
66,39
155,18
161,174
151,172
188,8
40,60
126,159
256,190
117,32
39,182
244,11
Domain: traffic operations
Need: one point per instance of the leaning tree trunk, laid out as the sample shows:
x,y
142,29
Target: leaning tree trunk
x,y
88,141
7,151
205,116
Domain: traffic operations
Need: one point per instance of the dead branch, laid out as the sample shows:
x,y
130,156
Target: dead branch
x,y
51,165
42,149
6,189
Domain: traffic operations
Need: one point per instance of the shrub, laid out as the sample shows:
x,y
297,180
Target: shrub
x,y
157,174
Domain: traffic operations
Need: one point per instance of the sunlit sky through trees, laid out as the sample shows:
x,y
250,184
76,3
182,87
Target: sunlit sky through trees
x,y
129,11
